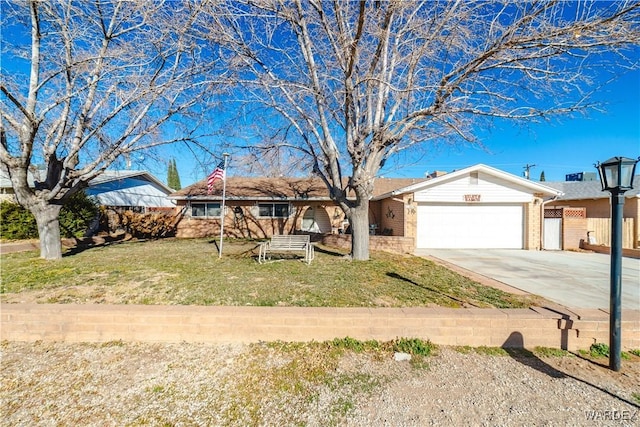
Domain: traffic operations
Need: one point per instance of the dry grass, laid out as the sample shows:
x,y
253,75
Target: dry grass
x,y
177,271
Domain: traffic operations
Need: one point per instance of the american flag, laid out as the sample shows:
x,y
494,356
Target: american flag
x,y
218,173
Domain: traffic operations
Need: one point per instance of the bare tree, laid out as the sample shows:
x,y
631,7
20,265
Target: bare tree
x,y
85,82
351,84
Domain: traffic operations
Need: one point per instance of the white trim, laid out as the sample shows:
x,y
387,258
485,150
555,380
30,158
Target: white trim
x,y
251,199
534,186
116,175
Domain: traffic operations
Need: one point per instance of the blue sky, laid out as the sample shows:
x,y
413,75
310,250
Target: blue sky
x,y
565,145
558,148
562,146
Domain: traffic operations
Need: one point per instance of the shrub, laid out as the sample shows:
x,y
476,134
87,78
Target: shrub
x,y
75,218
77,214
16,222
153,225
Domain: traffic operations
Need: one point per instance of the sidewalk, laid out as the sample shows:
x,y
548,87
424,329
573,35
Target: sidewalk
x,y
21,246
34,244
215,324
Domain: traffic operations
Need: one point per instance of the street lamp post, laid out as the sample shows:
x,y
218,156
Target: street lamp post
x,y
616,177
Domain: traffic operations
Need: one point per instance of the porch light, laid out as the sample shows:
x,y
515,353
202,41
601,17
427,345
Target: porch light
x,y
616,177
616,174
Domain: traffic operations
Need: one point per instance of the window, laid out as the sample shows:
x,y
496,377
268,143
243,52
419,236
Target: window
x,y
273,210
205,210
281,210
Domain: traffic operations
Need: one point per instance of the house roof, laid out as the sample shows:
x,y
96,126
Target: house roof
x,y
130,188
531,185
581,190
116,175
106,177
251,188
242,188
386,185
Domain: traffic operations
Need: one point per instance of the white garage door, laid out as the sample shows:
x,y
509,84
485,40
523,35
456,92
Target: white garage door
x,y
470,226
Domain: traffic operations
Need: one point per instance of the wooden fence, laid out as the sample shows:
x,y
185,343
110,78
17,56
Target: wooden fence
x,y
600,229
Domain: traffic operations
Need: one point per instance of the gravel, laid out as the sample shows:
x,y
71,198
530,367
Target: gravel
x,y
116,384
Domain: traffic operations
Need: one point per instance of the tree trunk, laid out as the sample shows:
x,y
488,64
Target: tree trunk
x,y
359,220
48,220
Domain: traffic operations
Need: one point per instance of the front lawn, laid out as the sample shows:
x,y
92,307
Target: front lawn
x,y
176,271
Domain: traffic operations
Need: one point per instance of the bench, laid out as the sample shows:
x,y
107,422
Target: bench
x,y
287,243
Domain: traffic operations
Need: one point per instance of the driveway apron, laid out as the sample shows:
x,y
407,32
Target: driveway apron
x,y
572,279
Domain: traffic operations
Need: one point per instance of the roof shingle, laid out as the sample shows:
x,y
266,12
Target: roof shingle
x,y
581,190
280,188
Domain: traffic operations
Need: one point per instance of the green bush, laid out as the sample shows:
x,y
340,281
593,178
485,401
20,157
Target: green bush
x,y
16,222
77,214
75,218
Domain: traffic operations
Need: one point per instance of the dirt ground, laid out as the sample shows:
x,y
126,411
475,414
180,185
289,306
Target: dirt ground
x,y
119,384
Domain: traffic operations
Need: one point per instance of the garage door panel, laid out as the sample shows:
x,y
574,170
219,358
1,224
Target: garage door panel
x,y
470,226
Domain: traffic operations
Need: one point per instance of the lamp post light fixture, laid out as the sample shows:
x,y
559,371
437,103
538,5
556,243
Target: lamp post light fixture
x,y
616,177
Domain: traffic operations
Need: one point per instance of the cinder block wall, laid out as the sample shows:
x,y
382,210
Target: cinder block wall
x,y
468,326
395,244
631,253
574,230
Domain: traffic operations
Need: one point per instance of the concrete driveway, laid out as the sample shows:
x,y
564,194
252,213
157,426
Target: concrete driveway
x,y
572,279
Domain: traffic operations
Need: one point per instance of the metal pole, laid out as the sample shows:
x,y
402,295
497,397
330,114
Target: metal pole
x,y
224,193
615,311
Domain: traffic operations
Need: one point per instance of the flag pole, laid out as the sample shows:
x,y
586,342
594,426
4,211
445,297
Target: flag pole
x,y
224,194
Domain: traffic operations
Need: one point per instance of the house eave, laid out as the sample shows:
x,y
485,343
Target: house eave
x,y
250,199
120,175
547,191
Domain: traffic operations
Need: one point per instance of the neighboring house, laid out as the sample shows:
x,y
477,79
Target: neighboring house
x,y
6,189
134,190
124,189
597,204
476,207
